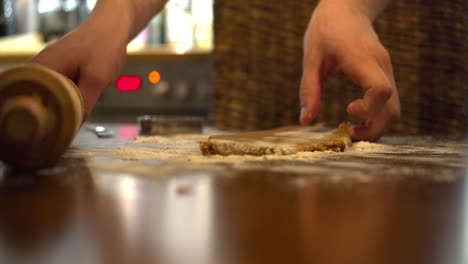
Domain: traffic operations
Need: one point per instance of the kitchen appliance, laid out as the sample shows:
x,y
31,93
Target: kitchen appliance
x,y
6,17
58,17
169,125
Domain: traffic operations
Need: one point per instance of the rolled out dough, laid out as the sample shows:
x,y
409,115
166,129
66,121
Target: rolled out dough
x,y
282,141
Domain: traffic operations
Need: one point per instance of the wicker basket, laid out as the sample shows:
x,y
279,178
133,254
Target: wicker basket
x,y
258,65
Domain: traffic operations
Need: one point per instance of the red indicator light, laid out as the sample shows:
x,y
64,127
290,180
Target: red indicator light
x,y
128,83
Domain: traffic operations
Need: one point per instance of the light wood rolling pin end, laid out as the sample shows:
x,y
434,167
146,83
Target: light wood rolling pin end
x,y
23,120
40,113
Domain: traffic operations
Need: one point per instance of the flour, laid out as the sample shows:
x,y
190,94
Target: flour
x,y
162,156
184,148
148,153
194,155
365,146
369,147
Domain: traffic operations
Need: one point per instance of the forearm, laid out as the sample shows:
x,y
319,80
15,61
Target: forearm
x,y
371,8
132,15
143,11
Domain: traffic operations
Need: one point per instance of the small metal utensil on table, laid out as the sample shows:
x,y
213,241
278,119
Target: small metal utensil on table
x,y
167,125
101,131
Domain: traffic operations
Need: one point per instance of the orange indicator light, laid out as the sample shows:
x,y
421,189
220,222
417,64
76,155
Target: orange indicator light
x,y
154,77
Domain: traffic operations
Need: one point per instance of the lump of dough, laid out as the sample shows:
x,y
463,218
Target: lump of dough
x,y
282,141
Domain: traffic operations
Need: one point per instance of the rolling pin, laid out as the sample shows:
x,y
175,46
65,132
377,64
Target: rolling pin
x,y
41,111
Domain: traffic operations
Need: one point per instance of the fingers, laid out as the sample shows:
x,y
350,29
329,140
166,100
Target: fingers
x,y
380,105
310,91
371,77
368,131
377,127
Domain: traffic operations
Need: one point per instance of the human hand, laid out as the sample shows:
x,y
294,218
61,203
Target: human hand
x,y
340,38
92,55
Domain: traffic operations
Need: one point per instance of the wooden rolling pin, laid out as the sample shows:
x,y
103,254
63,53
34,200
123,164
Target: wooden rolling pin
x,y
40,112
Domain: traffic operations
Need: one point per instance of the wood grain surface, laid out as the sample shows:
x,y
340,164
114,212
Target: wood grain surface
x,y
407,207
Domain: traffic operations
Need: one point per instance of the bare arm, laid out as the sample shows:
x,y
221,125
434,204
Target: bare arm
x,y
340,38
139,12
93,54
371,8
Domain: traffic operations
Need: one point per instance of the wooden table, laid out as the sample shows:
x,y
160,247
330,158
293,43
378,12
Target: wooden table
x,y
407,210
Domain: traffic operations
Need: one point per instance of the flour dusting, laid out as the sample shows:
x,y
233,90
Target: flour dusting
x,y
159,155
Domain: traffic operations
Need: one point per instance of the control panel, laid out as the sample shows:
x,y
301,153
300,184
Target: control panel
x,y
158,88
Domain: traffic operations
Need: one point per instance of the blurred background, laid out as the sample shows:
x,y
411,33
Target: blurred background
x,y
258,61
177,43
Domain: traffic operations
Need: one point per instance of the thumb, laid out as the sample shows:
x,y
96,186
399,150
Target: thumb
x,y
310,93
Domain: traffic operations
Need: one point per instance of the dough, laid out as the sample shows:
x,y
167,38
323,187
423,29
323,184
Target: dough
x,y
282,141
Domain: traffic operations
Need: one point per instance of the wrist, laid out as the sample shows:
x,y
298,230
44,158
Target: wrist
x,y
367,8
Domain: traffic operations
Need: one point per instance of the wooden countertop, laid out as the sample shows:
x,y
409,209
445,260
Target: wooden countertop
x,y
376,207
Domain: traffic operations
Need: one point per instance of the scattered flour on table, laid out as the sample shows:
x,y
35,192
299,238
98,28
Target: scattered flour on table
x,y
186,148
166,155
369,147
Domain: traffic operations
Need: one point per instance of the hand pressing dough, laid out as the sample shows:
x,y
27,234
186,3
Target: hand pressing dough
x,y
282,141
